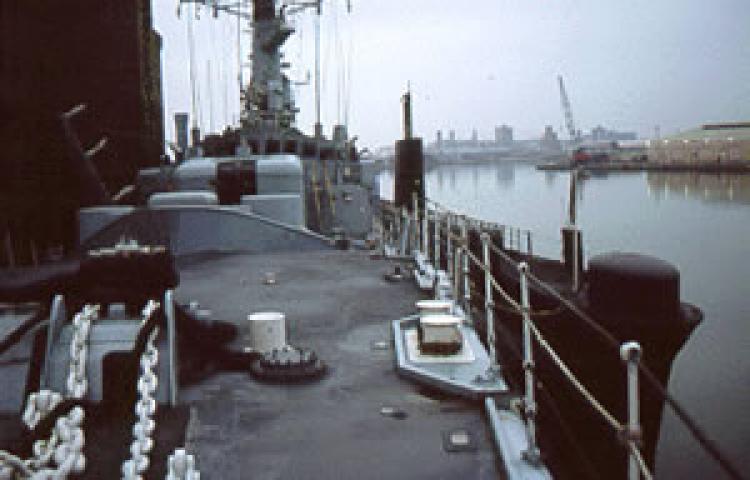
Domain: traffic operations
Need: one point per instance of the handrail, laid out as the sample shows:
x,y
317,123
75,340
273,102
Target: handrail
x,y
694,429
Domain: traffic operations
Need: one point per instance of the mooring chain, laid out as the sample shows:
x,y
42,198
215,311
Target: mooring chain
x,y
77,382
39,405
145,406
64,447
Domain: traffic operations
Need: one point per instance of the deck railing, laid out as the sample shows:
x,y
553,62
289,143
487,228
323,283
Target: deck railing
x,y
453,228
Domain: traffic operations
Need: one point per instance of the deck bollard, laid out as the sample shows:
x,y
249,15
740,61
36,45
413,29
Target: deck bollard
x,y
630,352
531,454
489,305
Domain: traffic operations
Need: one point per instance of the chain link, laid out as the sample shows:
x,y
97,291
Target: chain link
x,y
145,406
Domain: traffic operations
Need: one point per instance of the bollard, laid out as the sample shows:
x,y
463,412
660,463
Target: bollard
x,y
630,352
531,454
489,305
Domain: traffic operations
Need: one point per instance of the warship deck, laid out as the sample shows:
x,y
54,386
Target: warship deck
x,y
337,303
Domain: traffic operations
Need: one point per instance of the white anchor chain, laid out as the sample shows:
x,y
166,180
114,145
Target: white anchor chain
x,y
181,466
64,448
77,383
145,407
39,405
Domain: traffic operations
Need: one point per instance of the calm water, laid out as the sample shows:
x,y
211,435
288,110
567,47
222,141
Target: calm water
x,y
699,222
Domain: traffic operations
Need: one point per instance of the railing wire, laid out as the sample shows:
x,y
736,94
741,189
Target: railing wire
x,y
653,381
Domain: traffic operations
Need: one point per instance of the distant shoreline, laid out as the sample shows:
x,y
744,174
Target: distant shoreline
x,y
706,167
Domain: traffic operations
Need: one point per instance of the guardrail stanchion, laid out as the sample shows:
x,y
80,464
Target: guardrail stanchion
x,y
457,274
531,454
529,250
630,352
489,305
425,232
465,270
449,242
404,232
414,238
436,247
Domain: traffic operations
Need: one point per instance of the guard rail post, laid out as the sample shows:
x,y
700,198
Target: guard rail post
x,y
401,231
465,270
457,274
531,454
449,242
630,352
415,231
436,247
489,305
425,241
529,250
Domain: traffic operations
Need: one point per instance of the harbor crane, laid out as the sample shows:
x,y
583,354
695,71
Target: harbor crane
x,y
575,135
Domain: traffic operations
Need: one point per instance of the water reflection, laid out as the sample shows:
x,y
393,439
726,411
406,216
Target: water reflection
x,y
721,188
505,175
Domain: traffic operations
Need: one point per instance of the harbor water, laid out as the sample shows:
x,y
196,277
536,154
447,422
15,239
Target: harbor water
x,y
698,222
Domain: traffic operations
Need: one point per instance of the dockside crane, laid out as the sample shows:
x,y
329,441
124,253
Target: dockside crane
x,y
575,136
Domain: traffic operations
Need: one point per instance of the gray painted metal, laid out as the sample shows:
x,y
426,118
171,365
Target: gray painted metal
x,y
353,209
195,229
107,336
287,208
94,219
470,380
509,433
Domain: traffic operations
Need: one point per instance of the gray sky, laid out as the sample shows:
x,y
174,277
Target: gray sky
x,y
628,65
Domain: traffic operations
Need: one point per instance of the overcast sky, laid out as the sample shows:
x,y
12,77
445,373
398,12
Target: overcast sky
x,y
629,65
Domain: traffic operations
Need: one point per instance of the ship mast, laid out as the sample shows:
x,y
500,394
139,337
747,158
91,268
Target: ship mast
x,y
267,103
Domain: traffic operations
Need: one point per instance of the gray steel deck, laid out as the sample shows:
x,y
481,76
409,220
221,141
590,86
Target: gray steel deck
x,y
338,304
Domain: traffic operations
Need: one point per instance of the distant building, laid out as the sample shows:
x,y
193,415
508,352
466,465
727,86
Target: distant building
x,y
474,136
439,139
549,141
601,134
717,142
452,136
504,135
